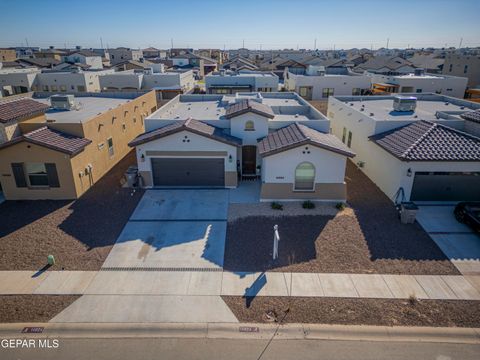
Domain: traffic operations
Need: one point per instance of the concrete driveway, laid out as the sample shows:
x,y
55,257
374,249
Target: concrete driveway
x,y
456,240
174,229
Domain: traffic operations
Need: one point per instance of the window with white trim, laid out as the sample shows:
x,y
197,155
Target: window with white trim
x,y
305,177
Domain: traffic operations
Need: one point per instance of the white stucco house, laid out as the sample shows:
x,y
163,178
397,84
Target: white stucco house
x,y
87,57
429,153
214,140
231,82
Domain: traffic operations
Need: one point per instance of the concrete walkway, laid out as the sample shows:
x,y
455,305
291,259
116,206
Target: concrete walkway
x,y
215,283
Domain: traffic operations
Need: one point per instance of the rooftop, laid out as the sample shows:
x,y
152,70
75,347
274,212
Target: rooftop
x,y
52,139
428,141
87,107
21,109
296,135
278,106
428,105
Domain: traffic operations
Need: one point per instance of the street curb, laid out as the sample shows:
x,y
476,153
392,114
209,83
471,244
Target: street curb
x,y
245,332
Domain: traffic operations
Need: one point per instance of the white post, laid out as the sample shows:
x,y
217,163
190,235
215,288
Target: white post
x,y
276,239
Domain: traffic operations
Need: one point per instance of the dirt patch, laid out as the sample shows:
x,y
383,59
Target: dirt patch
x,y
365,238
386,312
78,233
32,308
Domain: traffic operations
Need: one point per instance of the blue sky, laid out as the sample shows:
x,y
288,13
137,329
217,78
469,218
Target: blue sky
x,y
267,24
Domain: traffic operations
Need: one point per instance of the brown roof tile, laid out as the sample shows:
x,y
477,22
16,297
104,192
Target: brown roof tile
x,y
248,105
295,135
52,139
194,126
427,141
21,109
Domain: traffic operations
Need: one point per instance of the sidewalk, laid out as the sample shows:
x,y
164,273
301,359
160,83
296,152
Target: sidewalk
x,y
192,283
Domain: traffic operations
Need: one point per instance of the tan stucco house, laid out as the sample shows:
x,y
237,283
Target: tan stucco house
x,y
61,154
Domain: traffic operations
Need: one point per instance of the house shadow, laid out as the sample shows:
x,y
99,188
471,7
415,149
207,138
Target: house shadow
x,y
253,290
249,242
386,237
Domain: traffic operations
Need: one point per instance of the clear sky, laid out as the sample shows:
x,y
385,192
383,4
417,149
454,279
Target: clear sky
x,y
265,24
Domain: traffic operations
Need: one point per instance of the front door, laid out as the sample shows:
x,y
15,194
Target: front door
x,y
249,160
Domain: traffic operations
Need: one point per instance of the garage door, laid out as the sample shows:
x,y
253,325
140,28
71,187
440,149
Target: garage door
x,y
446,186
188,172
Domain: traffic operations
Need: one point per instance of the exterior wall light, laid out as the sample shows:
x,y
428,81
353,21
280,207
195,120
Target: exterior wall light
x,y
142,157
409,172
230,159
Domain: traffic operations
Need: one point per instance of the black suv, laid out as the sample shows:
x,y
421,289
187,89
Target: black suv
x,y
468,213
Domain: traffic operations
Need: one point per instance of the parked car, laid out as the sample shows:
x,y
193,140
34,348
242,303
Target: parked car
x,y
468,213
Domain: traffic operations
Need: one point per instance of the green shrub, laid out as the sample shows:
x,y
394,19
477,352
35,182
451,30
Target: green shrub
x,y
308,205
340,206
276,206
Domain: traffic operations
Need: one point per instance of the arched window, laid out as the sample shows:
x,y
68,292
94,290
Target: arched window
x,y
305,176
249,126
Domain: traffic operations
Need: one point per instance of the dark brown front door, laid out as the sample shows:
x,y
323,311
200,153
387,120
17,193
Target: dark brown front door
x,y
249,160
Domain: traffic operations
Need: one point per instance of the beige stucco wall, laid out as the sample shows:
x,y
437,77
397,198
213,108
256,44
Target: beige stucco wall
x,y
284,191
24,152
231,179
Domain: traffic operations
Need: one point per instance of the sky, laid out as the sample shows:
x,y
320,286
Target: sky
x,y
258,24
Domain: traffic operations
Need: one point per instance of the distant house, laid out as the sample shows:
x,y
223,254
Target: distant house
x,y
386,65
87,57
463,65
132,65
239,63
17,81
231,82
54,54
8,54
431,62
189,60
122,54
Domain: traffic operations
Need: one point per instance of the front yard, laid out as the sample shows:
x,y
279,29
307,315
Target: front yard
x,y
366,238
78,233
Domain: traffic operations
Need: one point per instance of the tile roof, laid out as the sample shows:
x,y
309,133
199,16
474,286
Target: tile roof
x,y
390,62
21,109
427,141
191,125
248,105
52,139
296,135
472,116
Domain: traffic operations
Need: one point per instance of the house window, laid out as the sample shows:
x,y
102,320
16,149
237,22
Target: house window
x,y
305,177
36,174
465,69
450,68
53,88
249,126
349,142
110,147
326,92
303,90
356,91
344,134
45,87
124,127
81,88
419,90
63,88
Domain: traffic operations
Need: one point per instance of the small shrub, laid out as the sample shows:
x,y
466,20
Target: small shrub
x,y
308,205
412,299
340,206
276,206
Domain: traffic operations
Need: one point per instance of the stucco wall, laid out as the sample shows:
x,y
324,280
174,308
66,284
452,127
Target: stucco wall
x,y
24,152
237,128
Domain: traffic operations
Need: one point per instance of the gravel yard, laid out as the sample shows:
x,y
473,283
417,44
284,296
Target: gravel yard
x,y
32,308
78,233
386,312
365,238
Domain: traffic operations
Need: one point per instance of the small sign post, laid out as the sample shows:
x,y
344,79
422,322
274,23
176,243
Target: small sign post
x,y
276,239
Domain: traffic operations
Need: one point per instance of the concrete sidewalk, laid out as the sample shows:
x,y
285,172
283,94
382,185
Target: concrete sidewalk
x,y
216,283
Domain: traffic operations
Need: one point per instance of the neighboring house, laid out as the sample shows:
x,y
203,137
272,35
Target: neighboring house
x,y
180,51
231,82
8,54
320,85
419,82
69,82
386,65
218,55
53,54
431,62
17,81
213,140
133,65
419,155
151,52
87,57
189,60
463,65
239,63
12,112
43,63
122,54
166,84
63,153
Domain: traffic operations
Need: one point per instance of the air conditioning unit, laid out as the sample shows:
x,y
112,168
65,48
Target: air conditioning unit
x,y
404,103
62,102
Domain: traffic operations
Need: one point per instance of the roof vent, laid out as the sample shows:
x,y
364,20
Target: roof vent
x,y
62,102
362,109
371,114
447,103
404,103
462,107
